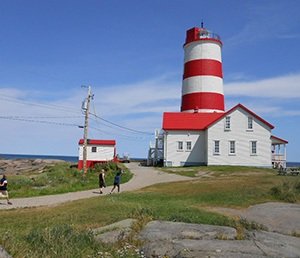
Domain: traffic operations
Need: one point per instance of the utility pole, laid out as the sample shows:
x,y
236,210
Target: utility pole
x,y
86,109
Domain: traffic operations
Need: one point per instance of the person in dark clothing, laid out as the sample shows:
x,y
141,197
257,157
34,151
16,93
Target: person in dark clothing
x,y
3,189
117,181
102,183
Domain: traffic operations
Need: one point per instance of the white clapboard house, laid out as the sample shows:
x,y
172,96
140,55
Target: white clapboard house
x,y
98,151
236,137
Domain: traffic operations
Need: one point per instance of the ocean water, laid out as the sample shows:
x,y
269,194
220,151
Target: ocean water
x,y
21,156
75,158
293,164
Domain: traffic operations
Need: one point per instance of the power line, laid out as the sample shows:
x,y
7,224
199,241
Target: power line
x,y
49,106
129,137
43,117
37,121
122,127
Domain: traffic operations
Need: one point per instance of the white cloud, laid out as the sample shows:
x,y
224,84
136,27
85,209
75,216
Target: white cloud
x,y
268,20
283,87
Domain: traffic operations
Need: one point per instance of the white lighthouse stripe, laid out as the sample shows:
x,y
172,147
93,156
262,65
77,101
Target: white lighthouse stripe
x,y
202,50
202,84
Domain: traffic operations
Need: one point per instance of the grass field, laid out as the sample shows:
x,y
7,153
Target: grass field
x,y
61,178
64,230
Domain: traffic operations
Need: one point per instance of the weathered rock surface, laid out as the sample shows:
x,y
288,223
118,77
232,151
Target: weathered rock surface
x,y
278,217
114,232
3,253
181,240
19,166
184,240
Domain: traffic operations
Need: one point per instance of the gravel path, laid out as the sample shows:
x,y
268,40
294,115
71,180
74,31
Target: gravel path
x,y
143,176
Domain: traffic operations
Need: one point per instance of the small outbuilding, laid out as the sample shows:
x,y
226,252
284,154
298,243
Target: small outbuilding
x,y
98,151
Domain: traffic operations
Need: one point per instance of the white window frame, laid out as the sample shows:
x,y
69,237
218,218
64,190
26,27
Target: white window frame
x,y
179,145
250,123
188,145
232,148
94,149
227,125
253,148
216,147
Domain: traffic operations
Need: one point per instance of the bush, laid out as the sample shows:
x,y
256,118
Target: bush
x,y
287,191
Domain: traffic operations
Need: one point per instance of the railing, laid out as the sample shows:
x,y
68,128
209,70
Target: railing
x,y
208,34
278,157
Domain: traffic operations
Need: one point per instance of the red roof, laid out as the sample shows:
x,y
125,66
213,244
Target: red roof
x,y
98,142
278,140
188,121
200,121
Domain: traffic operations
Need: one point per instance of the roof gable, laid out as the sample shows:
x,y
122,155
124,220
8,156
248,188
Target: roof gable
x,y
250,112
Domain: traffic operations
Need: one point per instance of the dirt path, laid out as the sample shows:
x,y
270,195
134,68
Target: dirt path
x,y
143,176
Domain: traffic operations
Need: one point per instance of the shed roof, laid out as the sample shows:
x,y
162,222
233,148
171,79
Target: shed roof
x,y
98,142
277,140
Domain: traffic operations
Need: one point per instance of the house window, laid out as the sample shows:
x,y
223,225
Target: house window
x,y
227,123
231,147
94,149
188,146
180,146
250,123
253,147
216,147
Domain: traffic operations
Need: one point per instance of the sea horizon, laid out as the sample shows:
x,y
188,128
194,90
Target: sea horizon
x,y
35,156
75,158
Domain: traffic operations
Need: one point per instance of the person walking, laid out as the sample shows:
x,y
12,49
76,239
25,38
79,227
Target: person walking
x,y
117,181
3,189
102,183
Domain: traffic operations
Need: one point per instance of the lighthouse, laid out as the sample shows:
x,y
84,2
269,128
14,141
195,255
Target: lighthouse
x,y
202,132
202,85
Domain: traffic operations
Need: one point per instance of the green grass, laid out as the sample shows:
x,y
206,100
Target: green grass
x,y
64,230
61,178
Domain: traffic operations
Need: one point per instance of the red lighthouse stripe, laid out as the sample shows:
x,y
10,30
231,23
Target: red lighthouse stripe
x,y
202,100
203,67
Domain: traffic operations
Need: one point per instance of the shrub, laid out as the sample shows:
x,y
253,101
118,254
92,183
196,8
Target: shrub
x,y
287,191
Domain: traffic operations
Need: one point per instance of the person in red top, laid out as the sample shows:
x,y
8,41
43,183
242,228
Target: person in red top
x,y
3,189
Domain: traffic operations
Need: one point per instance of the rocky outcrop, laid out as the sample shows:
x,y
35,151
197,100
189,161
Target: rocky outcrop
x,y
19,166
185,240
114,232
181,240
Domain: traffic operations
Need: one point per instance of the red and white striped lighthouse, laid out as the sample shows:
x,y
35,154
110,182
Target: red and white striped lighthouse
x,y
202,86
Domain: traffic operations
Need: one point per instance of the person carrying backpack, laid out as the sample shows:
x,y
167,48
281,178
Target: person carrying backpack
x,y
117,180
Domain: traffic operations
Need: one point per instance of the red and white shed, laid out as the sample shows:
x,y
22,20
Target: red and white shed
x,y
98,151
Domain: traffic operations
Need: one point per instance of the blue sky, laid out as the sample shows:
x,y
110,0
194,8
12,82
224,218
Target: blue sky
x,y
131,54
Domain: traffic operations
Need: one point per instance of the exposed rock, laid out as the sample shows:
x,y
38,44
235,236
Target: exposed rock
x,y
166,230
173,239
114,232
19,166
278,217
3,253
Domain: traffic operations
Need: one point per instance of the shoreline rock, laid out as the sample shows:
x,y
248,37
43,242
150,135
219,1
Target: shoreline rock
x,y
19,166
